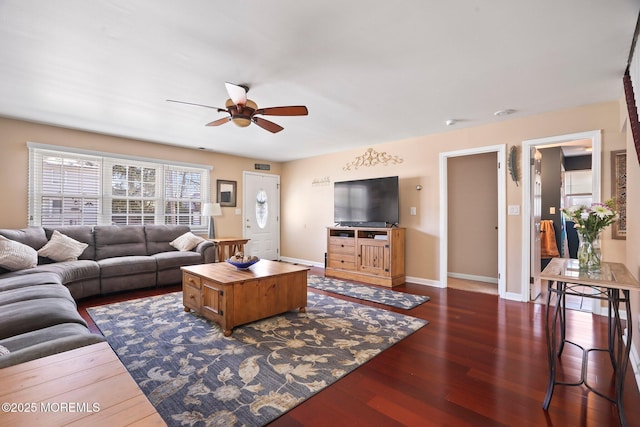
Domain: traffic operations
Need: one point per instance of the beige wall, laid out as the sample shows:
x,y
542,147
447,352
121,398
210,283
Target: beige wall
x,y
308,209
472,187
14,156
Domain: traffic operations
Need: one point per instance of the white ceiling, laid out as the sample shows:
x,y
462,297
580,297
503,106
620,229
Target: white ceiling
x,y
369,71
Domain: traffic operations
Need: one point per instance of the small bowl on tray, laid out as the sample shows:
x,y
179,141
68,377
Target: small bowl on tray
x,y
242,265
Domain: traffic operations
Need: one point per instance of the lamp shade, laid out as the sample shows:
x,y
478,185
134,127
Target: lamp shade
x,y
211,209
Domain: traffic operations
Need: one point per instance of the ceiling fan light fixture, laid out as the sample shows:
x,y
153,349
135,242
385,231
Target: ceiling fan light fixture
x,y
242,122
241,114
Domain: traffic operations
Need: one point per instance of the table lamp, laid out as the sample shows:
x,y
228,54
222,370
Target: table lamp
x,y
211,210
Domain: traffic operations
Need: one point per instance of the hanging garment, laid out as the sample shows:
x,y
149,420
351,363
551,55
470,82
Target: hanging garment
x,y
548,246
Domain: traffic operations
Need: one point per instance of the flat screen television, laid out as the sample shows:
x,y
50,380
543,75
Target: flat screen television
x,y
367,202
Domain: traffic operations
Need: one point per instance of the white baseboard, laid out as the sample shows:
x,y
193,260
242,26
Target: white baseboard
x,y
514,296
473,277
302,261
425,282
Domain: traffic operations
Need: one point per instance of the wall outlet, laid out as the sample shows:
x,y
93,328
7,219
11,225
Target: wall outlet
x,y
238,211
552,210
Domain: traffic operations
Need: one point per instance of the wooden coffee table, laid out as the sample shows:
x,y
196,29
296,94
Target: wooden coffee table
x,y
233,297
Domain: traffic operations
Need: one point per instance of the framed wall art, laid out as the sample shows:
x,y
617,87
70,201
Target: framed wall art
x,y
619,192
226,192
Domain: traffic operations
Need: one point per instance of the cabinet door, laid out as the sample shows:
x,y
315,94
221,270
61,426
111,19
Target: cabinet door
x,y
373,257
212,301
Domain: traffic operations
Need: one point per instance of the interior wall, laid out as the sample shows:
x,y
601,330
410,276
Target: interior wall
x,y
14,157
472,192
308,207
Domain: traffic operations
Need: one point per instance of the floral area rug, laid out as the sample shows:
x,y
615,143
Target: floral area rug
x,y
367,293
195,376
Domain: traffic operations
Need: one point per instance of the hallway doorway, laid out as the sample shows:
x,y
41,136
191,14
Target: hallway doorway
x,y
497,154
530,271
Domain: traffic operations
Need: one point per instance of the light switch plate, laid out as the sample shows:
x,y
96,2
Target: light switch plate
x,y
412,210
514,209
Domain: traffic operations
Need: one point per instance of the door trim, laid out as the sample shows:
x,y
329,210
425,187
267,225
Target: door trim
x,y
596,160
501,151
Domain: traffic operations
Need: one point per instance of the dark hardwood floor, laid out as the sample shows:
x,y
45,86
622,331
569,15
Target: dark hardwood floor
x,y
481,361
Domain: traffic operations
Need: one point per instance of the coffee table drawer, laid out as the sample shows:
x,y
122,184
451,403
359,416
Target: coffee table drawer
x,y
191,280
191,297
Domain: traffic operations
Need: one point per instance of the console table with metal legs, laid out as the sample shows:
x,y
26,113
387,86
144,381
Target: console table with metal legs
x,y
612,284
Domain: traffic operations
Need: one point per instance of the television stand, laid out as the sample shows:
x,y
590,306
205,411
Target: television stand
x,y
371,255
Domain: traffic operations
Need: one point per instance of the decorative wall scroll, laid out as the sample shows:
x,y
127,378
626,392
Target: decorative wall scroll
x,y
372,157
619,192
325,180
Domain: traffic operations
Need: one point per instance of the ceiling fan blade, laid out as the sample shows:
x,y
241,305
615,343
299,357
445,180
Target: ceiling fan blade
x,y
220,110
297,110
266,124
238,94
219,121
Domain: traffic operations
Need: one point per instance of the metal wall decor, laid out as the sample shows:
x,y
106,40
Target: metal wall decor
x,y
372,157
619,192
513,164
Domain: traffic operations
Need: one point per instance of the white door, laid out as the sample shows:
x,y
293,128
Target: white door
x,y
536,214
261,217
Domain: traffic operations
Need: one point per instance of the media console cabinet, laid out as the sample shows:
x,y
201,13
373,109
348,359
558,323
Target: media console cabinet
x,y
369,255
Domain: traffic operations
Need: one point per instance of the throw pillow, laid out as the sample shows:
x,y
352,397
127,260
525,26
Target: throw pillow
x,y
186,242
16,256
62,248
4,351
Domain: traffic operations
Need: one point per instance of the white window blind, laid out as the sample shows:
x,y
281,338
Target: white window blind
x,y
76,188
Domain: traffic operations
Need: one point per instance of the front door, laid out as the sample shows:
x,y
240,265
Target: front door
x,y
261,218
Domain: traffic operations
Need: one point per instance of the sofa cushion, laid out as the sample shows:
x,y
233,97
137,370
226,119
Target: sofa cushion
x,y
16,281
25,316
186,242
176,259
62,248
34,292
46,341
68,271
81,233
127,266
119,240
159,237
31,236
16,256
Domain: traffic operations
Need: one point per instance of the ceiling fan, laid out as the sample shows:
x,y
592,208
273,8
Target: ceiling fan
x,y
243,111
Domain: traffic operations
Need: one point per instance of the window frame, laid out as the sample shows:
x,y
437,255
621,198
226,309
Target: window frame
x,y
199,180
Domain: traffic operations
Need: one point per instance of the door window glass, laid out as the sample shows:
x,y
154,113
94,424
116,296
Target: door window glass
x,y
262,208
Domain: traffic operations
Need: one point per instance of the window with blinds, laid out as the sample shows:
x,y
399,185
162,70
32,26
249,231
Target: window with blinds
x,y
75,188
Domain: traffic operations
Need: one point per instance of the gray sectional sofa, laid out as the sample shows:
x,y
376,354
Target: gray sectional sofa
x,y
38,313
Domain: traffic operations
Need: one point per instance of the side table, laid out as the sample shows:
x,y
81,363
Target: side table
x,y
228,246
612,284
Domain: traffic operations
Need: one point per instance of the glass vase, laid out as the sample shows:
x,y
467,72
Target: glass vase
x,y
589,254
